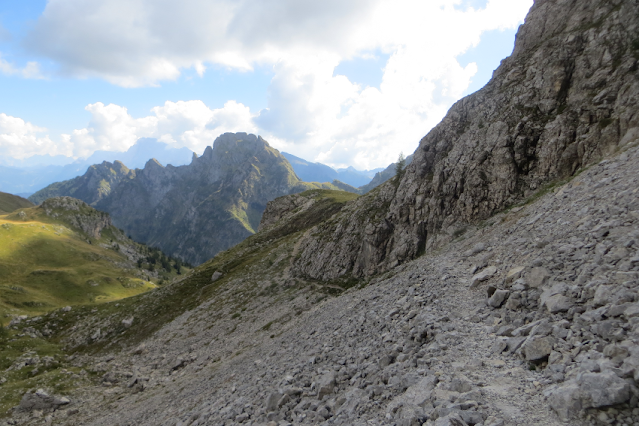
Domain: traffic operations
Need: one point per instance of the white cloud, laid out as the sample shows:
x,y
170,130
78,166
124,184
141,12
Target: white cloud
x,y
31,70
191,124
21,139
311,112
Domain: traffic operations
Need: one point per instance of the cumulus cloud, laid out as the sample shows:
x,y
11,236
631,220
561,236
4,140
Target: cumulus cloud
x,y
191,124
21,139
312,112
30,70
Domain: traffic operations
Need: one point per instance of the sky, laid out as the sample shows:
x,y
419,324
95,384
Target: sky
x,y
343,83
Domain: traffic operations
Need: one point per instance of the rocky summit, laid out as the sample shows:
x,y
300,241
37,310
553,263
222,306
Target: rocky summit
x,y
191,211
494,282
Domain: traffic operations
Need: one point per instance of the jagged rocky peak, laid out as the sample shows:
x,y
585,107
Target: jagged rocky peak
x,y
153,164
234,147
565,98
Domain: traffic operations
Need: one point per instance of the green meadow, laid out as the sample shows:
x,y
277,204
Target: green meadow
x,y
46,264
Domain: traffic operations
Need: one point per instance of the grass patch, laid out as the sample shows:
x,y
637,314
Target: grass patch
x,y
44,266
31,363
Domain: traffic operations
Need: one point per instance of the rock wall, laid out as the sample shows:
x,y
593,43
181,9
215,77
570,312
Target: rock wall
x,y
566,97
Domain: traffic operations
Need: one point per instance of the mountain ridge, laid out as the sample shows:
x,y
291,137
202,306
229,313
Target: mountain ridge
x,y
192,211
526,127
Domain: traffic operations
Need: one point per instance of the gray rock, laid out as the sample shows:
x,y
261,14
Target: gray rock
x,y
537,277
482,276
603,389
538,348
558,303
498,298
566,401
325,384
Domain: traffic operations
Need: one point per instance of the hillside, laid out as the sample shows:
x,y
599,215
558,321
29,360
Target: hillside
x,y
192,211
489,329
63,253
10,203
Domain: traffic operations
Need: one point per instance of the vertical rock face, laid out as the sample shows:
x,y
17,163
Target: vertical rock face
x,y
191,211
564,98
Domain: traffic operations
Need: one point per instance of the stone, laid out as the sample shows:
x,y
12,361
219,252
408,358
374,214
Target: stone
x,y
566,401
325,384
537,277
452,419
537,349
558,303
514,274
631,311
271,401
127,322
216,276
498,298
603,389
482,276
41,400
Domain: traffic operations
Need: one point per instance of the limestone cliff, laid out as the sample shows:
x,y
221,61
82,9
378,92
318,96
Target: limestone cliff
x,y
566,97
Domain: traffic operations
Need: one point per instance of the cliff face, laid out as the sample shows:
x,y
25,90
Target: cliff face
x,y
191,211
566,97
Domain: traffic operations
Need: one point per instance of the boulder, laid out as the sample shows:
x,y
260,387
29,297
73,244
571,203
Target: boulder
x,y
482,276
538,348
498,298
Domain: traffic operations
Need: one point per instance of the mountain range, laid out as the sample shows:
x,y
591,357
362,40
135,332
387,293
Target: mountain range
x,y
191,211
26,176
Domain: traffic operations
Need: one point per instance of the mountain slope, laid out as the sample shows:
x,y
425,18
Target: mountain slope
x,y
10,202
192,211
97,183
526,317
242,339
64,252
564,99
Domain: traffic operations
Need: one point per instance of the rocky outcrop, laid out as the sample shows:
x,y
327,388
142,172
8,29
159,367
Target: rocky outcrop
x,y
566,97
96,184
78,214
192,211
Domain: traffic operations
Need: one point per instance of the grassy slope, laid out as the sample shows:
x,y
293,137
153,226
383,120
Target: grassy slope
x,y
10,203
246,263
45,264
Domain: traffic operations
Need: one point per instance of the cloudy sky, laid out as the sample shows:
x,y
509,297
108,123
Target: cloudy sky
x,y
341,82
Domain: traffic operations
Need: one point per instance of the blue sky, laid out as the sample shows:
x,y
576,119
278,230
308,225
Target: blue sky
x,y
345,84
